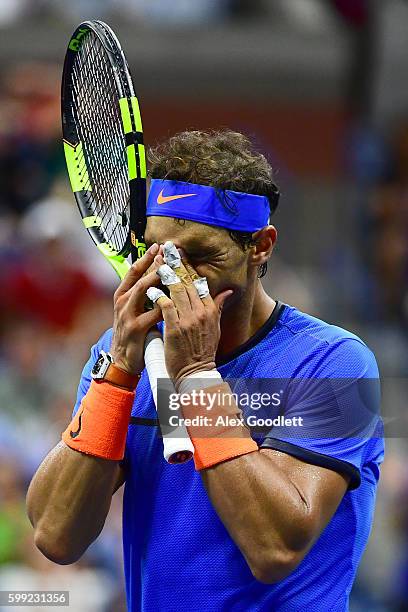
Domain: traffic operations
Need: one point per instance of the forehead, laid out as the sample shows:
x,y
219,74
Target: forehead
x,y
182,233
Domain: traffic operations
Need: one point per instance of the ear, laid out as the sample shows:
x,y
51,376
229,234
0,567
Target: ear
x,y
265,239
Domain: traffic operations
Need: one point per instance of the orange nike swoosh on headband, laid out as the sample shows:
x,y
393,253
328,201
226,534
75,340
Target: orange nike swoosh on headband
x,y
161,199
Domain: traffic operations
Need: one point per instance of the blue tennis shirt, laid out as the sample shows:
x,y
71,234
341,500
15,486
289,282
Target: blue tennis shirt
x,y
178,555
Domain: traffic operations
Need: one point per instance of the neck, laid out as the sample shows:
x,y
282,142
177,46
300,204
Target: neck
x,y
243,319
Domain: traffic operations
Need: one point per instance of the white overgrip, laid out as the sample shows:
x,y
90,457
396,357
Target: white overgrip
x,y
177,446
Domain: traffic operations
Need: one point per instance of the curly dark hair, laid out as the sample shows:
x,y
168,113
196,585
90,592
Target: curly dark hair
x,y
219,158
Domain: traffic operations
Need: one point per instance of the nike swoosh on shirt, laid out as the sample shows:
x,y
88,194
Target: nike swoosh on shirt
x,y
161,199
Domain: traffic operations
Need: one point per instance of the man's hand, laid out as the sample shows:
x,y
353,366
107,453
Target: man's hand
x,y
192,330
131,323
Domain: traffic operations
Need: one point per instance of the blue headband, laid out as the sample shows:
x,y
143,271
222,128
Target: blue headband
x,y
233,210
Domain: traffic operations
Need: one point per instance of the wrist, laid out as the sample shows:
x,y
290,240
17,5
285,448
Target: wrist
x,y
125,367
199,380
101,423
216,426
107,370
194,370
120,377
124,387
121,362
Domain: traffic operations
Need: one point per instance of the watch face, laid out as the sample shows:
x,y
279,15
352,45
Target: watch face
x,y
98,365
101,365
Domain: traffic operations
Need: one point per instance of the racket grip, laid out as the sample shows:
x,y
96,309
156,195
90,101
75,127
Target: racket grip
x,y
177,446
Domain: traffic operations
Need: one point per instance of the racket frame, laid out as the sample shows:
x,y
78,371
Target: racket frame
x,y
176,449
133,137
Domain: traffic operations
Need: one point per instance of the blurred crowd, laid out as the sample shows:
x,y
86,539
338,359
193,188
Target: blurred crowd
x,y
56,300
154,11
308,13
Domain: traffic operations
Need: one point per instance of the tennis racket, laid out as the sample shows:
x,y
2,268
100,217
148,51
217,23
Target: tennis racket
x,y
105,156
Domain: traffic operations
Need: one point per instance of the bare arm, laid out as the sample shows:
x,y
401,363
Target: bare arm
x,y
274,506
68,500
70,495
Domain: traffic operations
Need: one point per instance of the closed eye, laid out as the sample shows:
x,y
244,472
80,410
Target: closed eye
x,y
206,258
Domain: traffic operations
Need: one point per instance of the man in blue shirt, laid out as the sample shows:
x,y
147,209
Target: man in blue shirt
x,y
276,520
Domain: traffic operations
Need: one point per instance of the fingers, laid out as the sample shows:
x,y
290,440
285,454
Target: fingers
x,y
138,291
189,268
193,284
167,310
168,276
137,270
177,290
171,255
191,294
175,258
150,318
202,286
186,272
180,296
196,286
154,294
193,290
158,260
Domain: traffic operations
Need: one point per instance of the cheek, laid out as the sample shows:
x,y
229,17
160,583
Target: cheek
x,y
225,276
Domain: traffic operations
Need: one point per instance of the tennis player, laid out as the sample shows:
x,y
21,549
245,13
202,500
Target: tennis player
x,y
276,520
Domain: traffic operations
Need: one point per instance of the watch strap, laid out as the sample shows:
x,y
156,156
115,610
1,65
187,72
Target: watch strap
x,y
120,378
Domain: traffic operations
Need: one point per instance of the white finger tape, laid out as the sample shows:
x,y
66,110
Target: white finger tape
x,y
202,286
171,255
167,275
154,294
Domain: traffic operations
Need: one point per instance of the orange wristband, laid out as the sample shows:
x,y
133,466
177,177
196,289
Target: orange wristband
x,y
217,442
100,426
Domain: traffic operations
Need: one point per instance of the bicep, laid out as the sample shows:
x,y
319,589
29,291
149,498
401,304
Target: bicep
x,y
321,489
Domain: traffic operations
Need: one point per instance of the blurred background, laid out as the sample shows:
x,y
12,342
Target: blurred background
x,y
322,87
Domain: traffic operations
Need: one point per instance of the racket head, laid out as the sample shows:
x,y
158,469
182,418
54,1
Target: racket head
x,y
103,143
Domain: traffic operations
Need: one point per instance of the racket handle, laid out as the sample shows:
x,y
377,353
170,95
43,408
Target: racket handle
x,y
177,446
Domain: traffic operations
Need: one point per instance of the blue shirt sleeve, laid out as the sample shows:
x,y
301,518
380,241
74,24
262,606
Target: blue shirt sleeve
x,y
337,410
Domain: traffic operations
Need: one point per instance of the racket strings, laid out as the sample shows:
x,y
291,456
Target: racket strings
x,y
112,170
102,161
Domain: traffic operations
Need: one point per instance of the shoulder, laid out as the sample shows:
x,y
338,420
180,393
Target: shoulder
x,y
299,323
324,349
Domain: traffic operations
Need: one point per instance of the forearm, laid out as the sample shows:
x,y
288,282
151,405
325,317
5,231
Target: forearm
x,y
261,508
70,495
263,511
68,500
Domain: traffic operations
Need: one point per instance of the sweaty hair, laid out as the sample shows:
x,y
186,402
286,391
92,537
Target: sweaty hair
x,y
222,159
